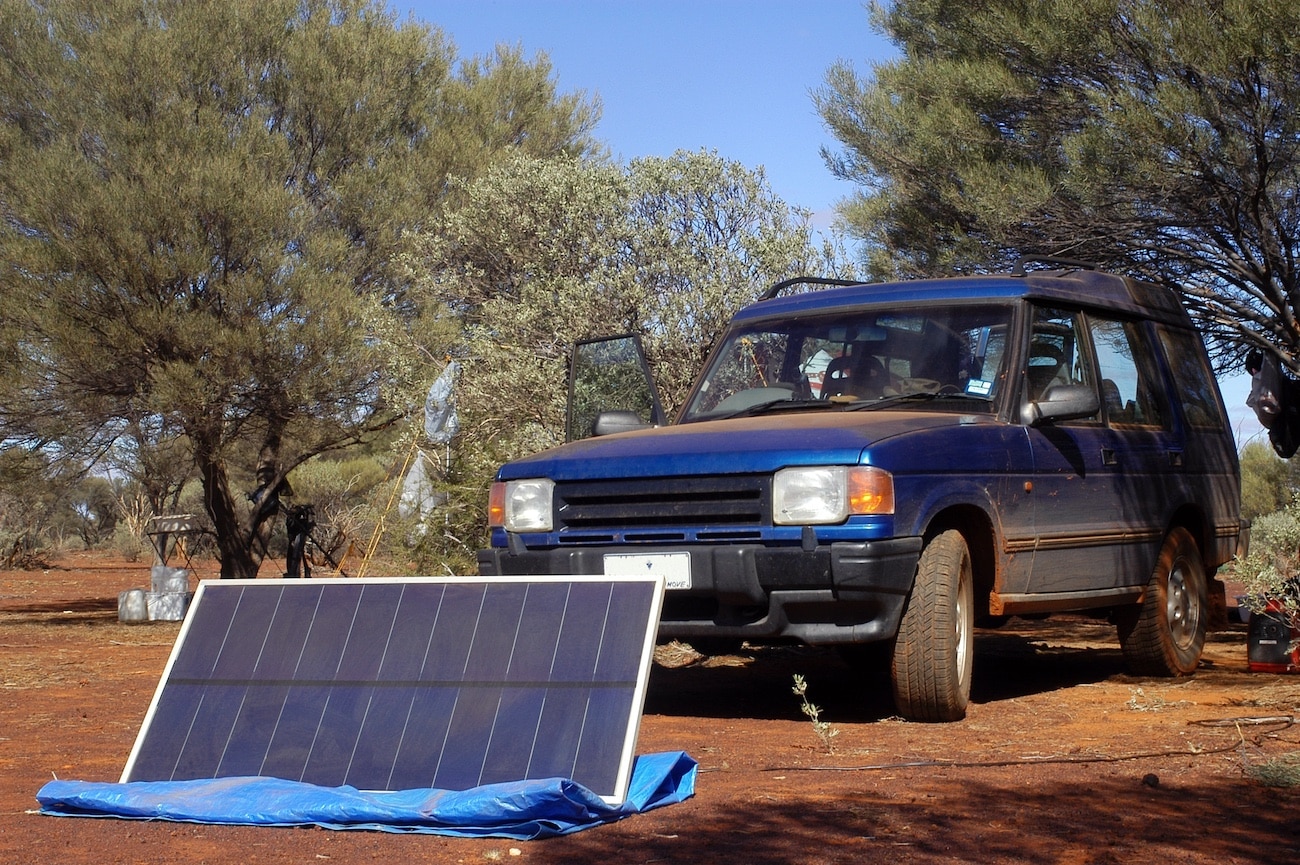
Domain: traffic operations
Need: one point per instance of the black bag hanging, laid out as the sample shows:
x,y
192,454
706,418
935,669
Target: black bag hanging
x,y
1275,399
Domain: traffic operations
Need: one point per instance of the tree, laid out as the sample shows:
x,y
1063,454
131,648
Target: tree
x,y
45,504
705,236
30,504
201,205
1152,137
1268,484
535,254
93,510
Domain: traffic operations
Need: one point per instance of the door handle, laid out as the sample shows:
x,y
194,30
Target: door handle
x,y
1108,457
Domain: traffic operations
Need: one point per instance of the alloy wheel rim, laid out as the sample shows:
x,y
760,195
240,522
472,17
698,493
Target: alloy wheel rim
x,y
963,635
1180,608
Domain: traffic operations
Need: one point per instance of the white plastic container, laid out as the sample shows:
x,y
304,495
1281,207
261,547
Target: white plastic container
x,y
167,606
165,579
132,606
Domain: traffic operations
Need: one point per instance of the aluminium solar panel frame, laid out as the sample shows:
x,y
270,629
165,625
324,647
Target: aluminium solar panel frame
x,y
643,648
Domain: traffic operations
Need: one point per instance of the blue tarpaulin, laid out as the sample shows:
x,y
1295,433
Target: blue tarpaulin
x,y
524,810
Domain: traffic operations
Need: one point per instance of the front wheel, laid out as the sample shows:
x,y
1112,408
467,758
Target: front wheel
x,y
1164,636
931,666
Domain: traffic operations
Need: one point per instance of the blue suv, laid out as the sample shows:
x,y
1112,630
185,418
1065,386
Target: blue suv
x,y
892,464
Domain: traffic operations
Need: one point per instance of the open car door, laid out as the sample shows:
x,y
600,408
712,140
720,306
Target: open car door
x,y
610,388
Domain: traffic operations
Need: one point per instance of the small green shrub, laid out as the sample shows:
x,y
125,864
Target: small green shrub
x,y
128,544
1283,771
1269,572
825,732
22,551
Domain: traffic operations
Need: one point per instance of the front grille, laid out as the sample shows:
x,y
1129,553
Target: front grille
x,y
663,503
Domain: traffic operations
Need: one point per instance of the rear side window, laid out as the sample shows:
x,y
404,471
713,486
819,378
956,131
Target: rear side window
x,y
1194,380
1130,388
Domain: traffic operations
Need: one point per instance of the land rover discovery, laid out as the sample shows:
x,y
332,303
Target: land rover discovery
x,y
890,464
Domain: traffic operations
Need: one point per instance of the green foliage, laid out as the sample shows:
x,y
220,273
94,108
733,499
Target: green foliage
x,y
45,507
1270,570
534,255
129,545
538,254
94,504
203,202
825,731
346,494
1283,771
449,540
1150,136
1268,483
333,484
705,236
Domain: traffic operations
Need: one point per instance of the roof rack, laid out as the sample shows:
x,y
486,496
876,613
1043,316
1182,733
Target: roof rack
x,y
805,280
1019,269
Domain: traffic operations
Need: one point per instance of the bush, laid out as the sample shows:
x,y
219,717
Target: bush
x,y
128,544
1269,572
22,551
347,496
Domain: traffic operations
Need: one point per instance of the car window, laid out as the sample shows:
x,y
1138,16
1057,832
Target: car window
x,y
1130,393
1193,380
952,353
754,362
1057,353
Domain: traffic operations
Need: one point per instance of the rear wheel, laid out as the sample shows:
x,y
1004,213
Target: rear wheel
x,y
1164,636
931,666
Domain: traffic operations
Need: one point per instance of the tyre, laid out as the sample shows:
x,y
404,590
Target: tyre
x,y
931,665
1164,635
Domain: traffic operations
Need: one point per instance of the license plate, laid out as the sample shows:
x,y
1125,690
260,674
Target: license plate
x,y
675,568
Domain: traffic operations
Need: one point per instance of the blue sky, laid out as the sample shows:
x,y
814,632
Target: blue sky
x,y
732,76
728,75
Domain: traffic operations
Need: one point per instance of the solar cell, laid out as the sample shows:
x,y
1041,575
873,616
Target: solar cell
x,y
391,684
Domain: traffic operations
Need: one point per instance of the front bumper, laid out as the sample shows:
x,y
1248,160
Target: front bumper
x,y
844,592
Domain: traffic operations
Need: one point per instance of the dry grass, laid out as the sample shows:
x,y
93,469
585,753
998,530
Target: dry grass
x,y
1283,771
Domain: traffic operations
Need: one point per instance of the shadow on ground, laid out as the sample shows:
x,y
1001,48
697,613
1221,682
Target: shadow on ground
x,y
927,818
1019,660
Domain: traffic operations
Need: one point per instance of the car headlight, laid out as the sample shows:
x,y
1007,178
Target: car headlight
x,y
522,506
822,495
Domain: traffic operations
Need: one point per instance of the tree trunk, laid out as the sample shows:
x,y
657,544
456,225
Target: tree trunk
x,y
241,539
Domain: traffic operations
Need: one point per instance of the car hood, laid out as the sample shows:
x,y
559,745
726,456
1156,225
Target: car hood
x,y
737,446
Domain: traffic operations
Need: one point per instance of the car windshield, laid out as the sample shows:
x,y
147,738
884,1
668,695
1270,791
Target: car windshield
x,y
903,357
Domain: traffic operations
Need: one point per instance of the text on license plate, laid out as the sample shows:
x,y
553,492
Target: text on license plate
x,y
675,568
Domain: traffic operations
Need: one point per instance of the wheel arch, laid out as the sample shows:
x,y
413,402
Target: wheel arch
x,y
1196,521
1191,517
977,529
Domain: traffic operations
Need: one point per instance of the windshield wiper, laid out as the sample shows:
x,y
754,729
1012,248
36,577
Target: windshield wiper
x,y
918,397
772,405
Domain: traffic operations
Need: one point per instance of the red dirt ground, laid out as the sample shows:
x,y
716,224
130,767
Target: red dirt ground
x,y
1062,758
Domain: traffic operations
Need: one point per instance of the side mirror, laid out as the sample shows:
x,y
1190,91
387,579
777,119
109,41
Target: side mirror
x,y
1061,402
610,422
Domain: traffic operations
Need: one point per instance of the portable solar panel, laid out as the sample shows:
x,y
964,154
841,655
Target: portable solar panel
x,y
392,684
